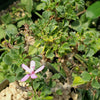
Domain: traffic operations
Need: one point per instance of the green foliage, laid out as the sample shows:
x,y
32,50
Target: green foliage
x,y
59,92
86,76
78,81
56,76
49,54
1,77
11,30
7,59
95,84
28,4
93,11
2,33
62,35
6,18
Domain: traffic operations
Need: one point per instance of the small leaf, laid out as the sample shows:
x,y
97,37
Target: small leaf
x,y
90,53
11,78
11,30
95,84
36,85
60,9
28,4
49,54
86,76
78,81
46,91
94,72
19,70
2,33
64,47
20,23
59,92
19,76
48,98
41,6
6,18
81,47
55,76
32,50
46,14
1,77
41,49
7,59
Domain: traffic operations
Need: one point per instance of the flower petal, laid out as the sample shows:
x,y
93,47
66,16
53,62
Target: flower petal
x,y
33,76
26,68
39,69
32,65
25,78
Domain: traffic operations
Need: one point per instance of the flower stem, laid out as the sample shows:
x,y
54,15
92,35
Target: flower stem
x,y
31,82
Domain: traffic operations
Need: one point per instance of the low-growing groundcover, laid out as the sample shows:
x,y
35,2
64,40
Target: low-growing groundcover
x,y
62,35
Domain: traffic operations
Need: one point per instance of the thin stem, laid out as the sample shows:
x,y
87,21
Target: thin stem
x,y
35,94
81,12
38,14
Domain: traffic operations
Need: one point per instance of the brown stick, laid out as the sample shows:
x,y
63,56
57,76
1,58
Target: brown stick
x,y
81,12
4,84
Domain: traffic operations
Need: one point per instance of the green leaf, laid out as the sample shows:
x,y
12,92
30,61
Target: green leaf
x,y
81,47
78,81
60,9
94,48
6,18
94,72
59,92
32,50
1,77
11,78
14,54
91,52
41,49
36,85
41,6
20,23
64,47
7,59
28,4
11,30
86,76
2,33
46,14
95,84
56,76
19,70
48,98
46,91
19,76
49,54
93,11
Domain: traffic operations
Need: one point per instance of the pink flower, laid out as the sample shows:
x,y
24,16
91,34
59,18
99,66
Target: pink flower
x,y
31,71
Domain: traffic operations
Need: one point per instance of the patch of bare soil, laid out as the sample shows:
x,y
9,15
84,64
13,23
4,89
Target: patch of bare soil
x,y
15,91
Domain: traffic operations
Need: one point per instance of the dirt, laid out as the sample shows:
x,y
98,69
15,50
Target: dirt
x,y
15,91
